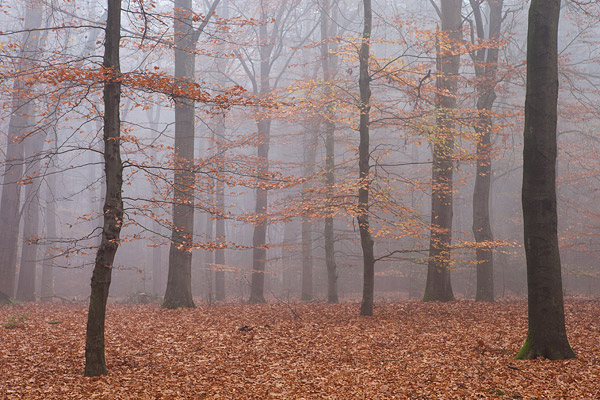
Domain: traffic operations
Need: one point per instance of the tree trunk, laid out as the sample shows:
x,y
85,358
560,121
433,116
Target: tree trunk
x,y
263,124
95,363
220,252
31,211
220,291
486,66
307,225
329,65
366,240
259,252
179,281
209,260
47,287
547,335
438,286
19,125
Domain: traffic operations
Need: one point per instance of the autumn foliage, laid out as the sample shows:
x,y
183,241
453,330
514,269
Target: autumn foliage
x,y
459,350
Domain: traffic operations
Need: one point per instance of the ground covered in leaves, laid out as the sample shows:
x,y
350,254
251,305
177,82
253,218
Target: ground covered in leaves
x,y
410,350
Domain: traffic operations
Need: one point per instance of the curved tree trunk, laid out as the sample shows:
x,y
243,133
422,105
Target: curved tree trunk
x,y
438,286
547,335
366,241
95,362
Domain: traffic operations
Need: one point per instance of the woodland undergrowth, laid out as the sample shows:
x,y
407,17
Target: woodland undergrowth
x,y
408,350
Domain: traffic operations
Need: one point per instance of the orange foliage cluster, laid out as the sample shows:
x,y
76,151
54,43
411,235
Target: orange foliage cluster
x,y
458,350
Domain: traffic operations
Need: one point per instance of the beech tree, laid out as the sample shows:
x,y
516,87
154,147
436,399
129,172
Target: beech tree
x,y
179,279
364,106
546,336
31,208
486,66
95,362
438,286
20,125
329,66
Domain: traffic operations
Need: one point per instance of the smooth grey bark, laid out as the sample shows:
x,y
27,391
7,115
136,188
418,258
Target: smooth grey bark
x,y
95,362
263,124
19,125
547,335
329,66
486,66
307,225
209,257
179,280
438,286
31,209
288,247
259,237
47,285
220,293
364,107
220,129
154,118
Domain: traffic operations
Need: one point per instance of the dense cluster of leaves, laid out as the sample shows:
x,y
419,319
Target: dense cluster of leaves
x,y
459,350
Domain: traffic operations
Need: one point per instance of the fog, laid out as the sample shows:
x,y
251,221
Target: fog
x,y
268,116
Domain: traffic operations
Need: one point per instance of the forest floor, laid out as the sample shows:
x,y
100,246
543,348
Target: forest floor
x,y
408,350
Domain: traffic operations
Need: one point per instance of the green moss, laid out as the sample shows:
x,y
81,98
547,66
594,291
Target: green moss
x,y
16,321
523,354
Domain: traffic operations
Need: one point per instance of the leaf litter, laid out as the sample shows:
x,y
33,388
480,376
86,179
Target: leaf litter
x,y
408,350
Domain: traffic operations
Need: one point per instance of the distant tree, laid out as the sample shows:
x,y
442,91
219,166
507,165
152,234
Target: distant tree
x,y
47,281
31,210
307,224
19,126
438,286
486,66
95,362
329,66
364,107
179,280
547,335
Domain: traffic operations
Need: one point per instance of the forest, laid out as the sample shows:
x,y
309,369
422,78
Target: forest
x,y
299,199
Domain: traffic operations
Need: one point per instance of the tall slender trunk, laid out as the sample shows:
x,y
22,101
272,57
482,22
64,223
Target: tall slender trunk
x,y
220,227
209,258
364,107
19,125
154,118
307,224
438,286
486,66
47,286
31,210
179,281
95,363
220,130
329,66
259,254
547,336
